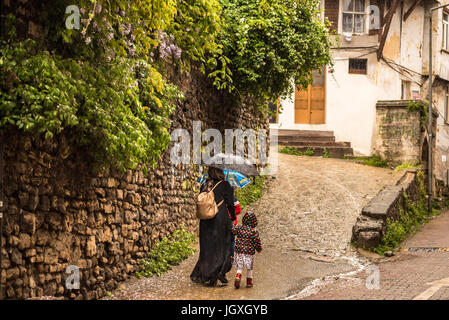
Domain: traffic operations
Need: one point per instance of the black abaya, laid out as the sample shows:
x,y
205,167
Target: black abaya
x,y
215,238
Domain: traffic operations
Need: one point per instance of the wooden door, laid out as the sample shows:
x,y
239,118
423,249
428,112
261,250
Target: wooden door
x,y
310,103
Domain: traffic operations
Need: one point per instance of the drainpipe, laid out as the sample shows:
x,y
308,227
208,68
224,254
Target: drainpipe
x,y
429,129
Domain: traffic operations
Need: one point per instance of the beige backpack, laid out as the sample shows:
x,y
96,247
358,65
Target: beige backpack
x,y
206,208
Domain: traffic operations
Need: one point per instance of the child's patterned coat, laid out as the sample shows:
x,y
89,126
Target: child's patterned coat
x,y
247,240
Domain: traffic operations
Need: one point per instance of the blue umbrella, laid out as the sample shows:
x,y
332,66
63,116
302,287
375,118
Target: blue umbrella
x,y
235,179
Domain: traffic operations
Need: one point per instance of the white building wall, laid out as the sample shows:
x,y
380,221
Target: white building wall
x,y
351,98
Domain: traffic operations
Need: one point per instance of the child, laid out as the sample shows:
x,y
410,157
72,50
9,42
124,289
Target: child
x,y
246,244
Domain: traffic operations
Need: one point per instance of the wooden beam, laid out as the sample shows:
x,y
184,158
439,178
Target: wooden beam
x,y
410,10
387,21
390,12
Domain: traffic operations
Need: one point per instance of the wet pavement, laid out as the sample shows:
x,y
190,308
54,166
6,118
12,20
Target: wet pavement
x,y
420,271
305,222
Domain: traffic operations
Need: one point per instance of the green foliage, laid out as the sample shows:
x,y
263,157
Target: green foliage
x,y
294,151
309,152
114,111
422,108
374,161
269,43
103,85
195,27
326,154
251,192
168,252
411,217
407,165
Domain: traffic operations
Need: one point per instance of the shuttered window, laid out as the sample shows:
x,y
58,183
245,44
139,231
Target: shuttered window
x,y
331,8
445,30
446,106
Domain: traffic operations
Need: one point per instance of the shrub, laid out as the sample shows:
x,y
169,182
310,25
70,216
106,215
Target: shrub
x,y
168,252
411,217
294,151
374,161
269,43
326,154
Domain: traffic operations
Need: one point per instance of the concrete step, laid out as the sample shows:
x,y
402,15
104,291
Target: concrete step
x,y
315,144
334,151
304,133
305,139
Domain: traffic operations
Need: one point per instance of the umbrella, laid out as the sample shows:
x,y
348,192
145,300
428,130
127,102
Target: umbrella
x,y
235,179
227,161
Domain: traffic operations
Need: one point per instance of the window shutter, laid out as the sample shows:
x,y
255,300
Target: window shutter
x,y
331,12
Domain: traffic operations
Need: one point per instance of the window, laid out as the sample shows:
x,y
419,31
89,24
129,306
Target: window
x,y
405,92
445,45
357,66
353,16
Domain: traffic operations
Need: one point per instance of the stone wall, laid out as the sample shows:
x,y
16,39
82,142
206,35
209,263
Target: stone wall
x,y
399,135
59,214
371,225
397,132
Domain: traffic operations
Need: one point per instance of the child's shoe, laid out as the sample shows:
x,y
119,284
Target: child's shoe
x,y
238,276
249,282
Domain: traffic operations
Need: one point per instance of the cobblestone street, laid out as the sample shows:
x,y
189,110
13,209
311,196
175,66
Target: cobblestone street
x,y
305,220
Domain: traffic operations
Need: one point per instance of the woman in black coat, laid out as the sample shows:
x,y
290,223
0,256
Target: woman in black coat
x,y
216,233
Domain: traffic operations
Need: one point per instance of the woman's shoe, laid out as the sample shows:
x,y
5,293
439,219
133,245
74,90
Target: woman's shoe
x,y
211,283
223,280
249,282
238,277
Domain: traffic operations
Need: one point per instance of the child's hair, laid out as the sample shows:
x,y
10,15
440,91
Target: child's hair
x,y
250,219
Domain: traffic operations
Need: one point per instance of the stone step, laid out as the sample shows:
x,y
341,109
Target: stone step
x,y
334,151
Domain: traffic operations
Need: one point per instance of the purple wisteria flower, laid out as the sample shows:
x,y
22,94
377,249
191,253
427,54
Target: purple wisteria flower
x,y
167,47
98,8
177,53
127,28
110,36
88,40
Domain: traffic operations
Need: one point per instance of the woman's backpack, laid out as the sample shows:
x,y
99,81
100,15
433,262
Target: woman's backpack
x,y
206,208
